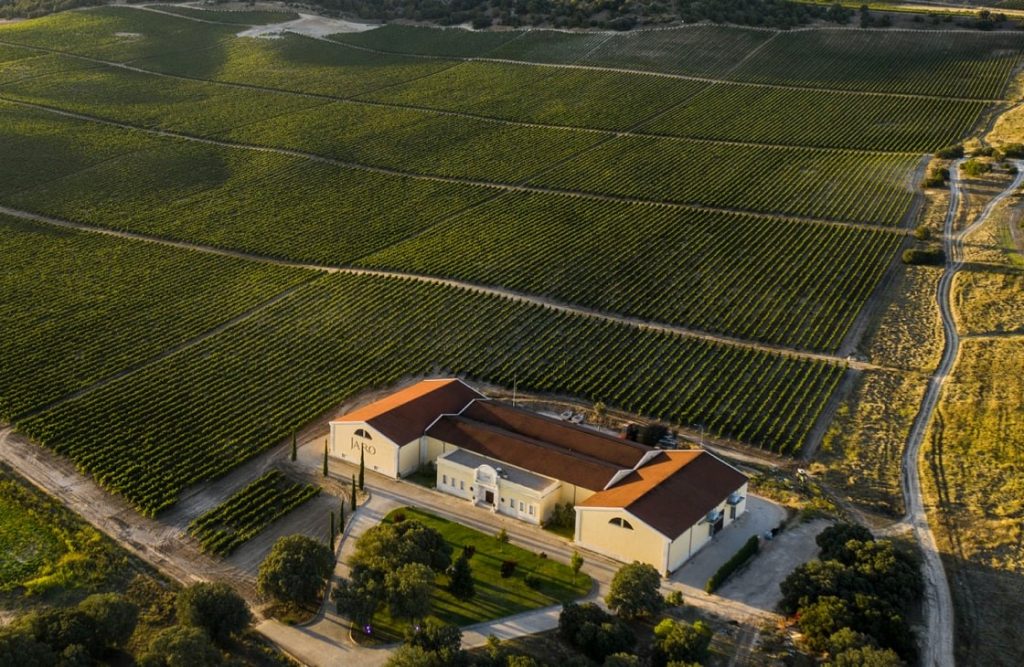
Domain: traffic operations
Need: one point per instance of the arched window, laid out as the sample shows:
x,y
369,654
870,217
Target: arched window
x,y
363,434
622,523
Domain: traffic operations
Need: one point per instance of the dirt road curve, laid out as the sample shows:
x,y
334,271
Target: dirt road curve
x,y
937,644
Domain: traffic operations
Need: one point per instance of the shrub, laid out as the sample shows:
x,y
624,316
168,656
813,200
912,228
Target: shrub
x,y
634,592
179,646
295,569
674,599
932,255
936,178
833,539
1014,150
115,617
398,517
19,647
468,551
745,553
950,152
975,168
532,580
922,233
460,578
595,632
215,608
562,516
502,536
508,568
680,642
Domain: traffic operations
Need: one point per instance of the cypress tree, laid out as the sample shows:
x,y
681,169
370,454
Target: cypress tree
x,y
294,447
325,459
341,517
362,468
332,530
353,493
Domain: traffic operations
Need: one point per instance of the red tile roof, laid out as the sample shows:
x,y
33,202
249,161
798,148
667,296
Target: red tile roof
x,y
540,444
406,414
673,491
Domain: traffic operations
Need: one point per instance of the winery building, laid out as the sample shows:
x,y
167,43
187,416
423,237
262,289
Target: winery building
x,y
632,502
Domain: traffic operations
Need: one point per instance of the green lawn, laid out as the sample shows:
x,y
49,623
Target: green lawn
x,y
495,597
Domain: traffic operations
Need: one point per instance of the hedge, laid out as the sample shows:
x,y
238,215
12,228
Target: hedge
x,y
745,553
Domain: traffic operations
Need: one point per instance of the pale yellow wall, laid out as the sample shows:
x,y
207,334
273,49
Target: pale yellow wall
x,y
433,448
642,543
573,494
381,453
454,479
409,458
511,499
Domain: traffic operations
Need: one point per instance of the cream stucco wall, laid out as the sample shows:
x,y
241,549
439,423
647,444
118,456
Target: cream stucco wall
x,y
381,452
409,458
594,531
510,499
572,494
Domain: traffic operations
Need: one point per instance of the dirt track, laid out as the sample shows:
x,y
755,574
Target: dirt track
x,y
937,644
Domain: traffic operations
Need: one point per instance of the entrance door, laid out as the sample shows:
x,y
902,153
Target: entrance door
x,y
489,497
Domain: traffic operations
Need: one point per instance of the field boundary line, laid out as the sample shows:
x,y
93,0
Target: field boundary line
x,y
359,100
502,292
142,365
494,185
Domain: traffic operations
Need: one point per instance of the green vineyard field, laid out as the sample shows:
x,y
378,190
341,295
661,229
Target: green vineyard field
x,y
790,283
248,511
78,307
198,414
241,17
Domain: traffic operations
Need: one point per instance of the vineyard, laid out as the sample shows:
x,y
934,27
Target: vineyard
x,y
711,178
78,307
248,511
241,17
765,279
198,414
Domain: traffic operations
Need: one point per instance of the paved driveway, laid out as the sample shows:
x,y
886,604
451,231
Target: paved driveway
x,y
761,515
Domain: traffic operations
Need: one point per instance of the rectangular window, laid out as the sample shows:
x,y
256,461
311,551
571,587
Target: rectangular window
x,y
462,485
732,511
522,506
531,510
444,479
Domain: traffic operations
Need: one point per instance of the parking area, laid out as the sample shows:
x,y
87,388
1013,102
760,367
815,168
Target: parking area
x,y
762,515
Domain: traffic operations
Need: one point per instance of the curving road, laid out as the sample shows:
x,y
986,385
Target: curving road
x,y
937,644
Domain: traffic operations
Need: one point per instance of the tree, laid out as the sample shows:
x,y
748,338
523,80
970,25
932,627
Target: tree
x,y
115,617
823,618
593,631
576,563
215,608
295,569
181,646
362,468
833,539
295,447
600,413
409,589
437,637
325,459
460,578
678,641
408,655
332,530
19,647
865,656
634,591
621,660
387,546
341,517
61,628
360,596
353,497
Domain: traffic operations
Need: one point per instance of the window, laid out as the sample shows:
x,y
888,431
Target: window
x,y
531,510
732,512
444,479
522,506
462,485
363,434
621,523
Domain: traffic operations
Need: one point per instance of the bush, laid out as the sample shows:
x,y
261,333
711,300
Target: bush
x,y
532,580
936,178
1013,150
745,553
833,539
181,647
398,517
634,592
932,255
502,536
115,617
62,628
19,647
468,551
215,608
950,152
593,631
680,642
674,599
295,569
975,168
508,568
460,578
562,516
922,233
